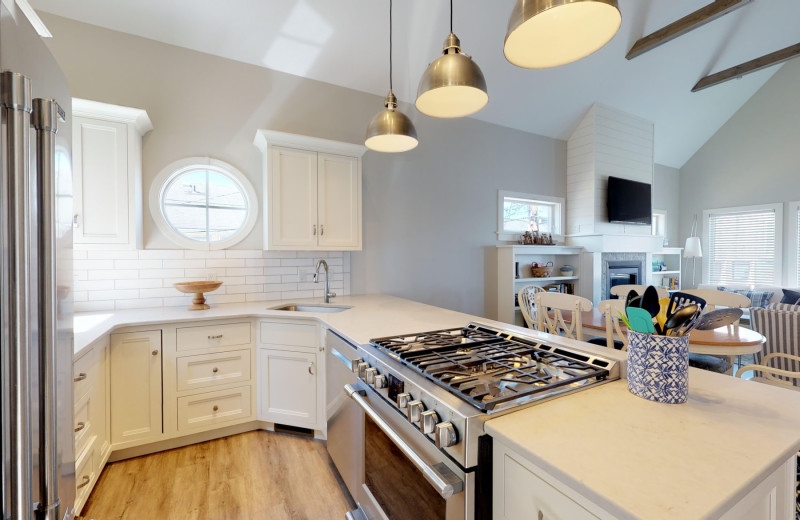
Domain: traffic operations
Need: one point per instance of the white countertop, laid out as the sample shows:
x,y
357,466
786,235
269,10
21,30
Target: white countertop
x,y
640,459
633,457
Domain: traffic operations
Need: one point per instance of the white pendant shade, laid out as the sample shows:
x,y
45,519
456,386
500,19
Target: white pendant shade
x,y
692,248
391,130
452,85
549,33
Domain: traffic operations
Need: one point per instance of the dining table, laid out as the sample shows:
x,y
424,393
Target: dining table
x,y
728,341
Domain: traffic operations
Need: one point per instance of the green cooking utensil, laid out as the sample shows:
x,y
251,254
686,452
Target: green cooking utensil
x,y
640,320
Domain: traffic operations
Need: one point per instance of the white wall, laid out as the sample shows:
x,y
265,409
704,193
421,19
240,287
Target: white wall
x,y
666,197
753,159
427,213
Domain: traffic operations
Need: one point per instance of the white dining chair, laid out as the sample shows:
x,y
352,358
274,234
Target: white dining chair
x,y
558,303
611,309
527,305
716,298
621,291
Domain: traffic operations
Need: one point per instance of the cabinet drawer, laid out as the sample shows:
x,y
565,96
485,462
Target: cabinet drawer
x,y
83,424
213,369
292,334
527,496
84,475
83,374
213,336
197,411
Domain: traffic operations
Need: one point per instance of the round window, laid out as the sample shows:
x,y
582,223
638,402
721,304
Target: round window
x,y
202,203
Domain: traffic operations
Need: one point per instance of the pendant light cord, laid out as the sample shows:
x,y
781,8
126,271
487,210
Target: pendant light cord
x,y
390,45
451,16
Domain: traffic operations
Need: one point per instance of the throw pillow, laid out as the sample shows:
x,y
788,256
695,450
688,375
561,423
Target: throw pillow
x,y
757,298
790,296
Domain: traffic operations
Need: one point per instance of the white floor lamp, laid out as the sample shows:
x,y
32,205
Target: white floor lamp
x,y
692,248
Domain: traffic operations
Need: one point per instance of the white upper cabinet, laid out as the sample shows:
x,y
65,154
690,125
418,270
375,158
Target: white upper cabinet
x,y
107,174
312,193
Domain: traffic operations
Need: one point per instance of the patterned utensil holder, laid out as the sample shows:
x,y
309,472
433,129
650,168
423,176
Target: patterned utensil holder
x,y
658,367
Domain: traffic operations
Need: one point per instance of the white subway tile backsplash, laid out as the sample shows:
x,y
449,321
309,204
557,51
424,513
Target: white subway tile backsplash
x,y
108,280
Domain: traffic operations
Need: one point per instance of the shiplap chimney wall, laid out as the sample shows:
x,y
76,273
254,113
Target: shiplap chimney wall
x,y
606,143
114,280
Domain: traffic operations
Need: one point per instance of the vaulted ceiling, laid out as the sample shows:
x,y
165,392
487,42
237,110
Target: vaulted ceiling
x,y
345,42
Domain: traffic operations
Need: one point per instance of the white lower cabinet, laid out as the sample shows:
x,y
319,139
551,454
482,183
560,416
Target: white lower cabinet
x,y
135,388
212,408
288,387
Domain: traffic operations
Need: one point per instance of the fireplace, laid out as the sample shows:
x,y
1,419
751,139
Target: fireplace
x,y
621,269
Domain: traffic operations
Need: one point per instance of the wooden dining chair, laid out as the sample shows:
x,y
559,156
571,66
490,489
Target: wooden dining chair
x,y
714,298
611,309
621,291
558,303
527,305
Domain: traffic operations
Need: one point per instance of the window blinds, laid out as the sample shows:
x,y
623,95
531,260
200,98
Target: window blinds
x,y
742,247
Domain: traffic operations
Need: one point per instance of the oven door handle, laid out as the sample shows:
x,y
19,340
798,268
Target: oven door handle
x,y
439,476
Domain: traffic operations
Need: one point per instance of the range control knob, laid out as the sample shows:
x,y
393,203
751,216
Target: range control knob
x,y
380,382
429,420
369,375
354,364
445,435
403,399
415,409
362,367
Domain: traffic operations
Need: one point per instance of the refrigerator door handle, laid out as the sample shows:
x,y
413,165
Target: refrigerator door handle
x,y
15,239
45,122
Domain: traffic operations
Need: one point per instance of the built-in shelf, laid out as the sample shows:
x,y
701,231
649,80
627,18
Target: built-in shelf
x,y
666,272
547,279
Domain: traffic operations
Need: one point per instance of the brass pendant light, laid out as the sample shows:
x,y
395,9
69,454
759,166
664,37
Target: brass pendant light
x,y
391,130
452,85
549,33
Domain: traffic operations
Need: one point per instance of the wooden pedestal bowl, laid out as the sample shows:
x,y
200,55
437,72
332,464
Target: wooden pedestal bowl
x,y
197,288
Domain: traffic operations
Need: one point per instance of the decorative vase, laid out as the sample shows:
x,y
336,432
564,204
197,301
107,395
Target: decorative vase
x,y
658,367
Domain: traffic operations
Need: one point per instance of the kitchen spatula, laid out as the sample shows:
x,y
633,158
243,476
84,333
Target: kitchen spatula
x,y
719,318
640,320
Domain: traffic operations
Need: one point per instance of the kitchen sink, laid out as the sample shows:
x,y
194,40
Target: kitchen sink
x,y
300,307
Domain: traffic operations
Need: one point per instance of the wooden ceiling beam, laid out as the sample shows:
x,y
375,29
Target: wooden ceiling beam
x,y
688,23
757,64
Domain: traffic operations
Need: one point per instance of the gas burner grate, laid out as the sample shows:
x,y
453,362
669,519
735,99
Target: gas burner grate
x,y
488,368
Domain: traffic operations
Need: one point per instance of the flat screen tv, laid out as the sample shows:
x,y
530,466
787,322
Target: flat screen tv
x,y
629,202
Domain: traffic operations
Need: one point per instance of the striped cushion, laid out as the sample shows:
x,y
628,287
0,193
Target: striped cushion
x,y
757,298
782,330
784,307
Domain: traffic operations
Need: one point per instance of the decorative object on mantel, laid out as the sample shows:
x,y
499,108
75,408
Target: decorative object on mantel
x,y
535,239
391,130
452,85
549,33
197,288
692,249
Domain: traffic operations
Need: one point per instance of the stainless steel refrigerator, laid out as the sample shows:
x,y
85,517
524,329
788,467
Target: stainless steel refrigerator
x,y
38,471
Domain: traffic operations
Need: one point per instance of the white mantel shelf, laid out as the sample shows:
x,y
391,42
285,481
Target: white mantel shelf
x,y
627,243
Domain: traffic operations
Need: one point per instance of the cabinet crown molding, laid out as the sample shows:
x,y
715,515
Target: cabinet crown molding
x,y
266,138
135,116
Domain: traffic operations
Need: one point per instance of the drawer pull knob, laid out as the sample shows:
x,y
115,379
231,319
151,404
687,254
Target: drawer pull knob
x,y
80,377
218,336
541,515
215,370
310,367
80,426
216,408
85,481
155,352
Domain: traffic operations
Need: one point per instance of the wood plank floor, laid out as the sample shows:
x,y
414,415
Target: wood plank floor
x,y
255,475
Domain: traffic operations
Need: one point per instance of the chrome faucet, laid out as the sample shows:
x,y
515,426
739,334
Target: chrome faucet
x,y
328,293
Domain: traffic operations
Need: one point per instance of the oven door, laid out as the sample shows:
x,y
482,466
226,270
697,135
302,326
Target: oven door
x,y
405,476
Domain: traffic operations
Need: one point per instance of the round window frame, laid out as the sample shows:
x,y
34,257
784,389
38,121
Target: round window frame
x,y
179,167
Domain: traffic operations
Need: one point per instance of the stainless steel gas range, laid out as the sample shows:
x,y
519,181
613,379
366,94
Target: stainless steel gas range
x,y
406,413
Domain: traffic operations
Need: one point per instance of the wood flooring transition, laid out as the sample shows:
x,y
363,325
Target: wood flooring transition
x,y
255,475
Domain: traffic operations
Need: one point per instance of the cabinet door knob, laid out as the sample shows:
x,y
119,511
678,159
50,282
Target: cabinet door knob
x,y
80,426
215,370
321,229
155,352
80,377
75,221
314,232
84,481
540,516
310,366
216,408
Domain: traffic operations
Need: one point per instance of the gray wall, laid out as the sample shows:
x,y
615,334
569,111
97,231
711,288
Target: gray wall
x,y
427,213
666,194
753,159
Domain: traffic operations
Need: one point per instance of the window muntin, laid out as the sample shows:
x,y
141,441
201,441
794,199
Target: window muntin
x,y
202,203
743,245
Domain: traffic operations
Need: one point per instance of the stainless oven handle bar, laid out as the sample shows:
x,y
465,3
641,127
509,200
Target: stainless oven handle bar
x,y
440,477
